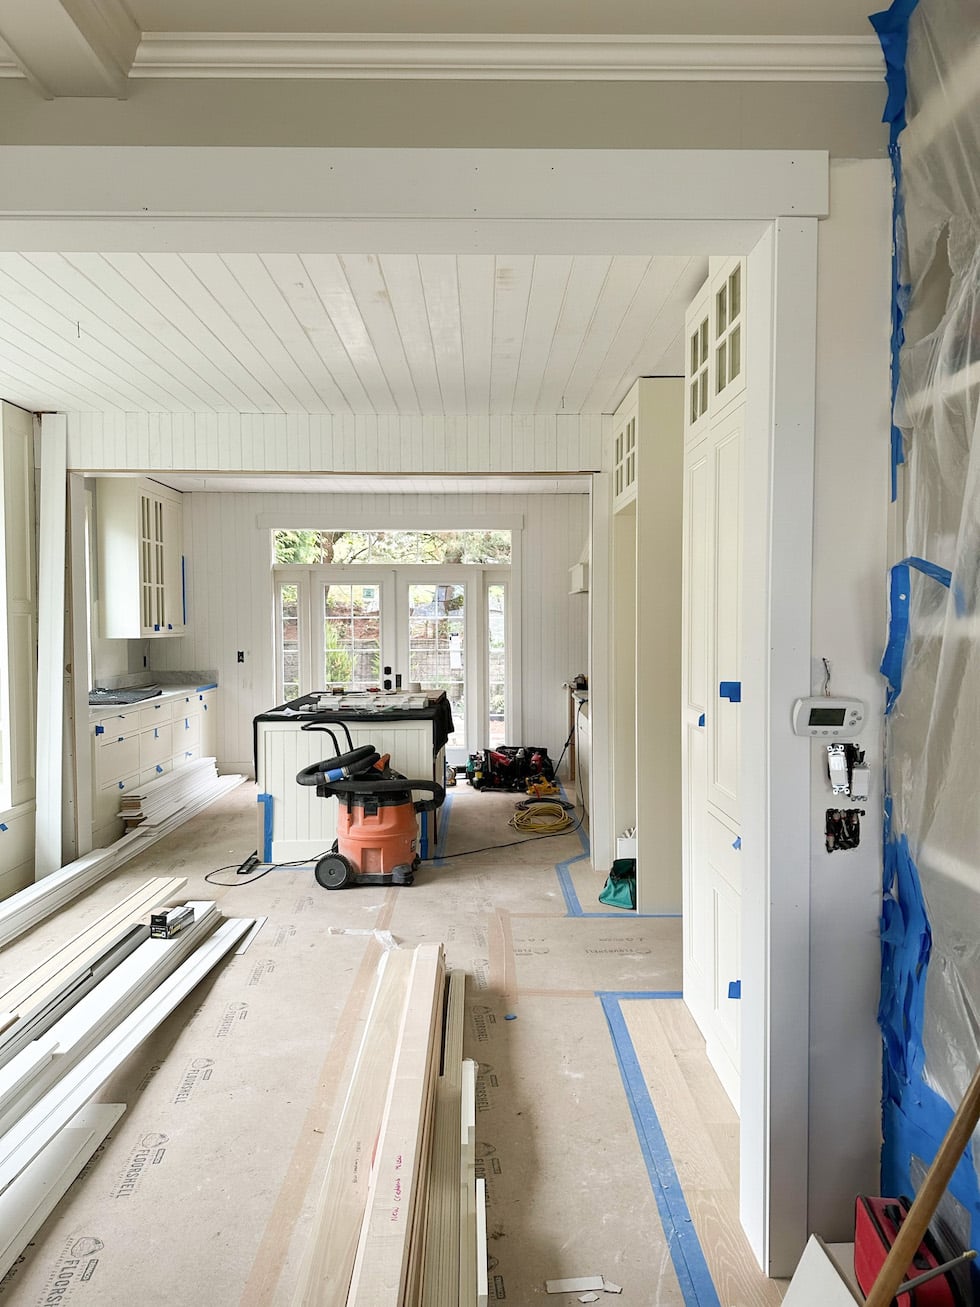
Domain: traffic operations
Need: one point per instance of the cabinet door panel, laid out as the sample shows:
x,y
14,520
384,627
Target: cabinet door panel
x,y
727,964
724,715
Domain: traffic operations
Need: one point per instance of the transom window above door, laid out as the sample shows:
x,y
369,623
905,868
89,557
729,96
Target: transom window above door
x,y
329,548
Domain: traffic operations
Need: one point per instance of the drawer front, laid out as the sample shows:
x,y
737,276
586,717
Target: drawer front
x,y
108,796
156,744
187,731
110,728
186,755
187,705
150,774
119,756
155,713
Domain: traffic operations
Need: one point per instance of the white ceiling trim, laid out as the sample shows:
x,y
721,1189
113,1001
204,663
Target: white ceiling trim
x,y
500,57
507,56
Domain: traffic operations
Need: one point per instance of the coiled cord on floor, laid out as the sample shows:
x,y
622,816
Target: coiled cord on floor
x,y
544,817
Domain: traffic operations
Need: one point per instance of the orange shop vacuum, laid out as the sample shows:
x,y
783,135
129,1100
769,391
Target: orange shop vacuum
x,y
377,831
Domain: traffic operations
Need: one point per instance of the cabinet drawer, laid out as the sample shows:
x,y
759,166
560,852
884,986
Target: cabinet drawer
x,y
107,798
189,705
187,755
156,744
150,774
187,731
119,756
155,713
111,728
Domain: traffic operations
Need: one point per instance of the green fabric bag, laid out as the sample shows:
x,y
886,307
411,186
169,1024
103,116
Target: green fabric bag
x,y
619,890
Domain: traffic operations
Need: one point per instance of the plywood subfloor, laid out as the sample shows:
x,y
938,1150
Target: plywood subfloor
x,y
204,1192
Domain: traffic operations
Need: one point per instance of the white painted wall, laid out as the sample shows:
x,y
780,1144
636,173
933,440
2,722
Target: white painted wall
x,y
300,442
18,647
849,586
230,596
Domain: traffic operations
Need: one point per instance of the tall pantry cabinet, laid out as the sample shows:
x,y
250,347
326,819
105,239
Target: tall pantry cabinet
x,y
711,684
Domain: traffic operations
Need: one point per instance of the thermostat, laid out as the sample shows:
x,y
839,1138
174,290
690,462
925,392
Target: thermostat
x,y
822,716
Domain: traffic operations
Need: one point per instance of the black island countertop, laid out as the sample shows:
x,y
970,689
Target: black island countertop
x,y
398,706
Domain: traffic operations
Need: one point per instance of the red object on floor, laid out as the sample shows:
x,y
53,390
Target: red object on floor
x,y
876,1223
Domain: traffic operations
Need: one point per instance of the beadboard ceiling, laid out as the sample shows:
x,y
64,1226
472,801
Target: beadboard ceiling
x,y
353,334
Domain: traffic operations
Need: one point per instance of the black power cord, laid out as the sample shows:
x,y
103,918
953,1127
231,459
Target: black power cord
x,y
272,866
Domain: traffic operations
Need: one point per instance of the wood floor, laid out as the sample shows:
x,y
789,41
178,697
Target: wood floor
x,y
607,1144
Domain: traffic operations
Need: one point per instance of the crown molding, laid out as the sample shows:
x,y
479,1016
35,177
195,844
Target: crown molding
x,y
508,57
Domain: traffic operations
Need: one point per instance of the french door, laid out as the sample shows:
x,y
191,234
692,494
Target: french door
x,y
363,627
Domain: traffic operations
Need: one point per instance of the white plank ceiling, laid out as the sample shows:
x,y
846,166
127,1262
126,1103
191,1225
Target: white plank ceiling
x,y
351,334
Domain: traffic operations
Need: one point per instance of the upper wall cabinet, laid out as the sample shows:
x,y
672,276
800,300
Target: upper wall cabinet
x,y
698,379
715,335
140,559
624,452
728,304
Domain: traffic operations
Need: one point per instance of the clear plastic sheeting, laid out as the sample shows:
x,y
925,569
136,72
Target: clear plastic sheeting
x,y
931,923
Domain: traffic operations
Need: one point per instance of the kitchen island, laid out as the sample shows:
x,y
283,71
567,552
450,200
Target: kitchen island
x,y
293,822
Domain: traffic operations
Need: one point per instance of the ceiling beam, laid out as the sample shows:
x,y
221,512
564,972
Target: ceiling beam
x,y
71,47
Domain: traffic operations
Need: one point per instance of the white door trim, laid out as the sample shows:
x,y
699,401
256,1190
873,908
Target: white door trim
x,y
775,774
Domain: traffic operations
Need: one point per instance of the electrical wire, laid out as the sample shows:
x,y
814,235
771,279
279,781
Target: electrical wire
x,y
512,844
541,818
250,880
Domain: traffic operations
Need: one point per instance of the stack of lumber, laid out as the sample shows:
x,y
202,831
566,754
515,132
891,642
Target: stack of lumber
x,y
29,906
162,798
397,1222
69,1024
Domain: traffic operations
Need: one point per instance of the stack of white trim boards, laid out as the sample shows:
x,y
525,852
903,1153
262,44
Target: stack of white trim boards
x,y
399,1219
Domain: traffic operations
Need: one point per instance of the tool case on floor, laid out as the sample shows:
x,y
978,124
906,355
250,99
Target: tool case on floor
x,y
876,1223
509,767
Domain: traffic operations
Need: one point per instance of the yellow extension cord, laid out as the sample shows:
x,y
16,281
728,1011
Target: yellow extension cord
x,y
541,819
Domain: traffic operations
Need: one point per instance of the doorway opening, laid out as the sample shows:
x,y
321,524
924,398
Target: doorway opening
x,y
387,610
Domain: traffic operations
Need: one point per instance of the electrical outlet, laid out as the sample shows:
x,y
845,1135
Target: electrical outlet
x,y
241,655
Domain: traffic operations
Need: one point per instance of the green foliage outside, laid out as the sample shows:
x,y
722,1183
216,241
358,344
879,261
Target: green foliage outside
x,y
315,548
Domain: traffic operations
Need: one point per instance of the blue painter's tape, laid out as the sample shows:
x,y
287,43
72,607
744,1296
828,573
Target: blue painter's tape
x,y
737,844
622,994
424,836
685,1249
159,769
892,27
445,813
899,603
906,946
266,801
100,730
3,825
730,690
701,720
572,906
156,733
914,1127
121,785
734,989
201,688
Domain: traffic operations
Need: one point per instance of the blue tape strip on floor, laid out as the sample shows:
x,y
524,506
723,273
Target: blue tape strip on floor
x,y
685,1249
570,894
572,906
444,814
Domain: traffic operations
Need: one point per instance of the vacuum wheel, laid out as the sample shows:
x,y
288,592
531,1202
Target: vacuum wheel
x,y
333,871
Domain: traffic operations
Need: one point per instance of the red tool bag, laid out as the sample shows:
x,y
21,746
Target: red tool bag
x,y
876,1223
